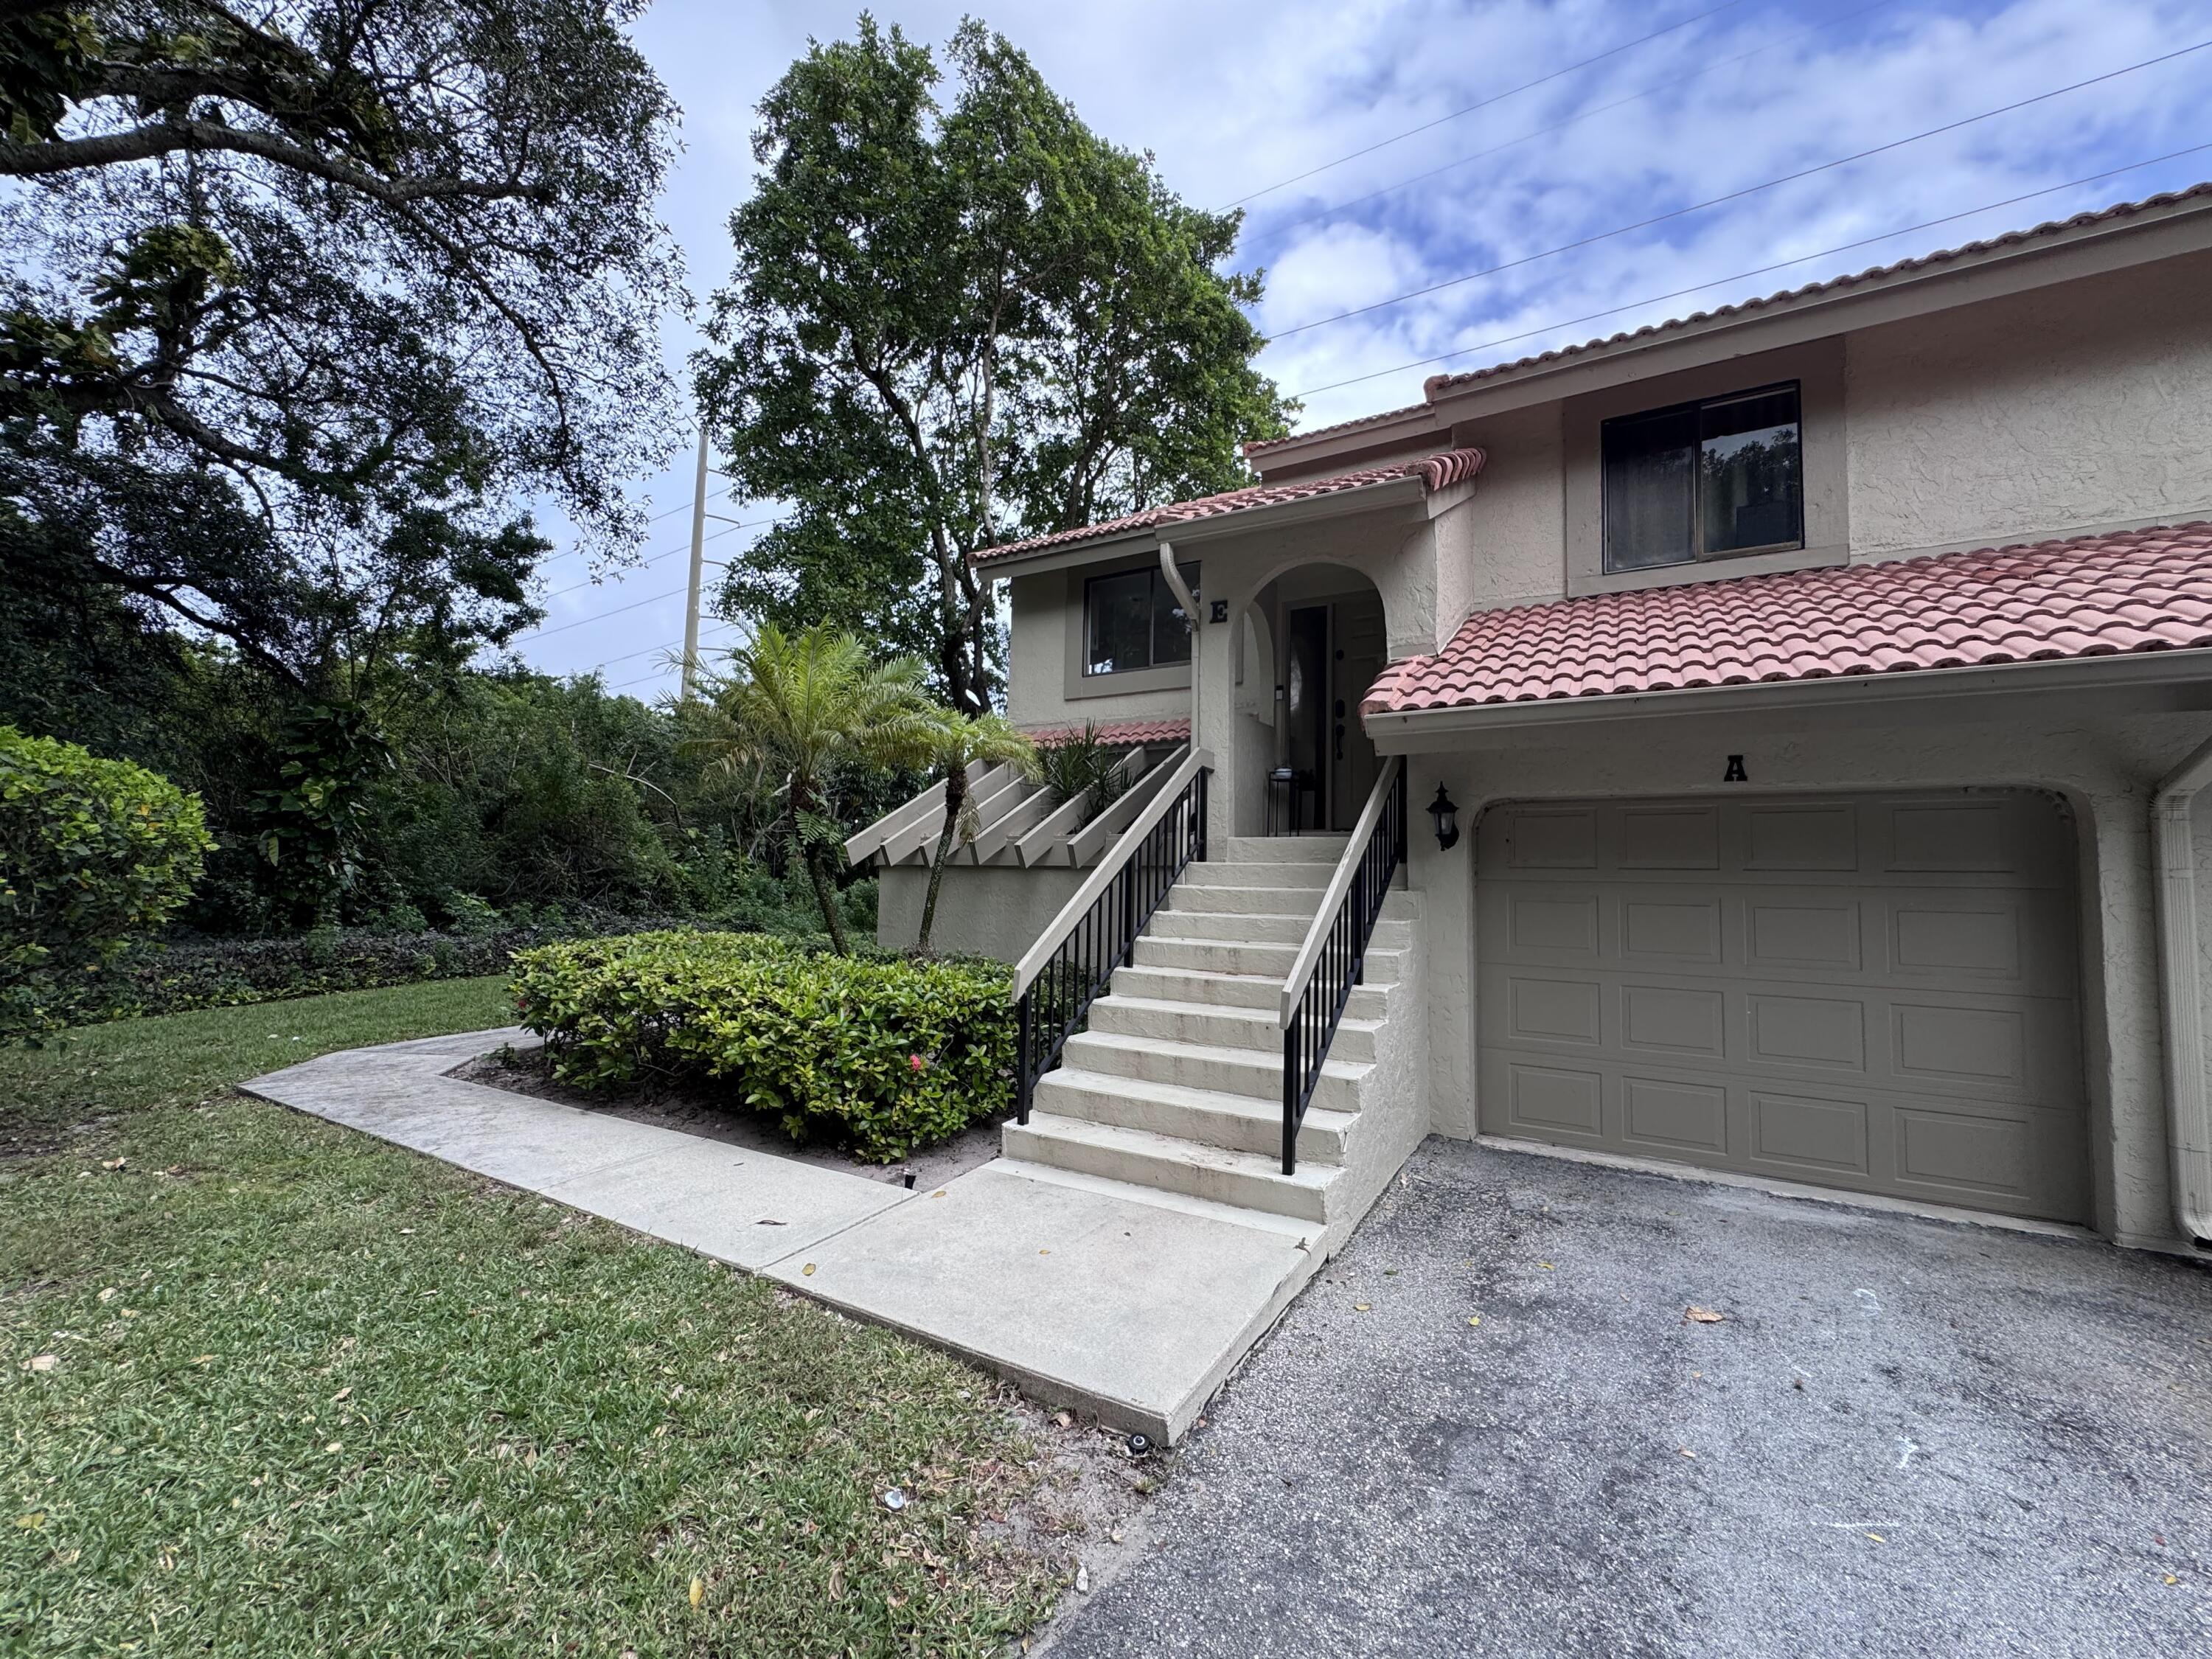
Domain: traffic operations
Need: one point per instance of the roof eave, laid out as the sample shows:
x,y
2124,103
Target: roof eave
x,y
1276,516
1417,731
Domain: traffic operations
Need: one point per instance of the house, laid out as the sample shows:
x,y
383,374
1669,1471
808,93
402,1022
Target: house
x,y
1820,687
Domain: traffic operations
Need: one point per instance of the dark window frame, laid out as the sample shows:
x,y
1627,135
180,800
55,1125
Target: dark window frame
x,y
1695,408
1161,603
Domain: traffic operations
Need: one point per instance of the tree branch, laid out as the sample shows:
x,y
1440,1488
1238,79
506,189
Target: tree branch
x,y
166,138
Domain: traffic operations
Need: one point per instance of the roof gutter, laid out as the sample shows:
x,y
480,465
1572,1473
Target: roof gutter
x,y
2181,996
1409,730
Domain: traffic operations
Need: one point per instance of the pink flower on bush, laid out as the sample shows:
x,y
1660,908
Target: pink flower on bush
x,y
915,1063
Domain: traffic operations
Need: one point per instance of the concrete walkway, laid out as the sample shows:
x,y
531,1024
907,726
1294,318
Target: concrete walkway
x,y
1087,1293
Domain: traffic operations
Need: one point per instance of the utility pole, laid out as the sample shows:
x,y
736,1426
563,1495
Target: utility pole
x,y
698,565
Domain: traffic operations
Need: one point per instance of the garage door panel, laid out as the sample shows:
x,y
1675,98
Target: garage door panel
x,y
1674,1019
1802,836
1550,1100
1829,1032
1669,1118
1876,993
1793,934
1668,837
1809,1135
1554,1009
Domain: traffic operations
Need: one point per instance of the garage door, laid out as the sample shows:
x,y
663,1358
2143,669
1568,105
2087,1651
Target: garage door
x,y
1875,993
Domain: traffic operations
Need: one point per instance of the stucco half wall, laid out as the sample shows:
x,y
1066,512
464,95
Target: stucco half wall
x,y
2105,768
990,910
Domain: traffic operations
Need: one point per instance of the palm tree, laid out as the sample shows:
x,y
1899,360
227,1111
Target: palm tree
x,y
805,705
957,742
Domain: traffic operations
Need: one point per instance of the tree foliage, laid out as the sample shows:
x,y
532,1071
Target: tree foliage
x,y
301,301
801,708
93,854
950,327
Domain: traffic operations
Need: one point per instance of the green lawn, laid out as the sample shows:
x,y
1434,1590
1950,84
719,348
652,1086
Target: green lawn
x,y
273,1388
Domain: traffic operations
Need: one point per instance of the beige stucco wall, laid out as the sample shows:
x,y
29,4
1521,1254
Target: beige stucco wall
x,y
2105,768
2071,408
992,911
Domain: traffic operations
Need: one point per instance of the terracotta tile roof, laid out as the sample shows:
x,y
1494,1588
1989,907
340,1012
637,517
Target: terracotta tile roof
x,y
1266,446
1116,731
2093,596
1441,382
1450,466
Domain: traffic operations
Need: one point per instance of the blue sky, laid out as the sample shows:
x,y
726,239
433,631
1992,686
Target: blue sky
x,y
1237,99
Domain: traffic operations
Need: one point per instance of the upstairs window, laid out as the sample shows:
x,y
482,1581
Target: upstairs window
x,y
1714,479
1132,620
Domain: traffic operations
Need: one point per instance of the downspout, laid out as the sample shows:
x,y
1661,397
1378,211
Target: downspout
x,y
1189,601
2189,1112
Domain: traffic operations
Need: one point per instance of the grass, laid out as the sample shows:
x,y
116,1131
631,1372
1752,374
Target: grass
x,y
267,1387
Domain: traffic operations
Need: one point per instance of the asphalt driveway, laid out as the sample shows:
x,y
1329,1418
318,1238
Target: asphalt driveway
x,y
1902,1436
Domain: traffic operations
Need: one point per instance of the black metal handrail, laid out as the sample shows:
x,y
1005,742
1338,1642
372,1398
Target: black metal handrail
x,y
1330,962
1097,932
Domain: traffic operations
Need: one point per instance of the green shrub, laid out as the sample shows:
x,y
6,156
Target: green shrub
x,y
176,976
879,1053
93,854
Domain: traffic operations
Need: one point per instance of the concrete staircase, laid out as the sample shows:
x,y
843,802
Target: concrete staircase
x,y
1177,1085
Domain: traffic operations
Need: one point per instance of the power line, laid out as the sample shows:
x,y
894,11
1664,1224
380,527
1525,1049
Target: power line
x,y
666,553
1735,195
1745,275
1656,88
1496,97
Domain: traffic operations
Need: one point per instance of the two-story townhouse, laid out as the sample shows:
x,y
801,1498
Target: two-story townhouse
x,y
1799,711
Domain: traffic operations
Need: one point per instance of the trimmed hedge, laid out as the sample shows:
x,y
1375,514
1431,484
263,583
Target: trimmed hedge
x,y
94,854
881,1055
175,976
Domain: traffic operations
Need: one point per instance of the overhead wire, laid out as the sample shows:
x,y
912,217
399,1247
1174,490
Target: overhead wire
x,y
1745,275
1671,83
1485,103
1736,195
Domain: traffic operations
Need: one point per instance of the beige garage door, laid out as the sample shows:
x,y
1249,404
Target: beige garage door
x,y
1875,993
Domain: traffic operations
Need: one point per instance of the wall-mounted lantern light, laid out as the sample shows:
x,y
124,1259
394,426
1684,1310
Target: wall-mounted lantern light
x,y
1447,818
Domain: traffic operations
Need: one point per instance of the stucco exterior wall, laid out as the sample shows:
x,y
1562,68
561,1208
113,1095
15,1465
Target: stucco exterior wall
x,y
2106,769
1039,662
1504,545
2084,406
989,911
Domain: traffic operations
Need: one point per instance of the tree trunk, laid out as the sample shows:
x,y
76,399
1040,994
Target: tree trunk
x,y
827,900
936,879
956,791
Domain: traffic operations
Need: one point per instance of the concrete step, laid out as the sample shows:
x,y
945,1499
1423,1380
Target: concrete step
x,y
1251,1180
1272,872
1399,904
1287,850
1257,1028
1257,990
1255,928
1240,1123
1214,956
1250,1072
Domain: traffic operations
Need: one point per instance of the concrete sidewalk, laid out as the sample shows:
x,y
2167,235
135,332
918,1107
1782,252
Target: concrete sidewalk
x,y
1128,1303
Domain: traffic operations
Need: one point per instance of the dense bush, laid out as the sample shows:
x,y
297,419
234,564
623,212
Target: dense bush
x,y
93,854
174,977
879,1053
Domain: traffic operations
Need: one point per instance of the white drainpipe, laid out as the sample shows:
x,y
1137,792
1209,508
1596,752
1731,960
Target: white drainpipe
x,y
1189,601
2189,1112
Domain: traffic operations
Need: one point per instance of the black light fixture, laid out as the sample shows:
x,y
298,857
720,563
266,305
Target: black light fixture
x,y
1447,819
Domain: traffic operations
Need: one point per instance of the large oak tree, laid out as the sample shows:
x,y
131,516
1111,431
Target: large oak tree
x,y
305,303
950,325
